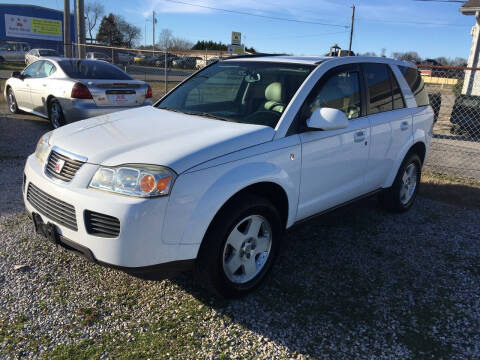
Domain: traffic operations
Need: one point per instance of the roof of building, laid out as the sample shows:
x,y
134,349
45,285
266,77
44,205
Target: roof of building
x,y
470,7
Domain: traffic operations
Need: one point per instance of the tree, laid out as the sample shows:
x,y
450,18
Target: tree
x,y
368,53
108,32
130,33
93,12
411,56
165,38
209,45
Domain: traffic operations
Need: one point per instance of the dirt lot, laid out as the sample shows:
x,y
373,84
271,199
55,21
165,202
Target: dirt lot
x,y
356,283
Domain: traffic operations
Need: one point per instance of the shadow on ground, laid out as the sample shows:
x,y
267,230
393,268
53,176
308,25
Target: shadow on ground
x,y
359,278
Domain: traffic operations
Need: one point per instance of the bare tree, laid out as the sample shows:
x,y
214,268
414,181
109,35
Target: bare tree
x,y
165,39
179,44
93,12
130,33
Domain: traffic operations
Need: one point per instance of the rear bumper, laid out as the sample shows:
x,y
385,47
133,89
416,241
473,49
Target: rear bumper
x,y
79,109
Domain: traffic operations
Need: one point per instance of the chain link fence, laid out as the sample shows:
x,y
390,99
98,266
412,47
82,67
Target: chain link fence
x,y
455,98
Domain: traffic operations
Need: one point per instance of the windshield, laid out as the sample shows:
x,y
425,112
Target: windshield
x,y
92,69
251,92
46,52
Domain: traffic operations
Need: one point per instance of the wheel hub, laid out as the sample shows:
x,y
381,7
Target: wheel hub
x,y
247,249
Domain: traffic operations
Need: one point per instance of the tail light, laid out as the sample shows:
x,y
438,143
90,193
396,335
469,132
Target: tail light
x,y
149,92
80,91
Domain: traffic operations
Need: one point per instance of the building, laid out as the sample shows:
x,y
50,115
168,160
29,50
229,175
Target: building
x,y
39,26
471,84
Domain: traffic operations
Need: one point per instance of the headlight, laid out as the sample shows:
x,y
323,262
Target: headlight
x,y
134,180
43,148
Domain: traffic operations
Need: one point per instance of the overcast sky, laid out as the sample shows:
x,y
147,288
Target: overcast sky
x,y
431,28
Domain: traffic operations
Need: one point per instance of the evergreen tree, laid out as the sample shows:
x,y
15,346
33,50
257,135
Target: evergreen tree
x,y
109,33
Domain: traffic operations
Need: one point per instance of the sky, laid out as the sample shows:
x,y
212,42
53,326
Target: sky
x,y
431,28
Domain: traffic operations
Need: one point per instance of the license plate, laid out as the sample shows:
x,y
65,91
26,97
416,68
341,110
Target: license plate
x,y
121,99
47,230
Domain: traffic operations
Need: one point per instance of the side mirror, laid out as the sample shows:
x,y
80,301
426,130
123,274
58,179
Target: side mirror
x,y
17,74
327,119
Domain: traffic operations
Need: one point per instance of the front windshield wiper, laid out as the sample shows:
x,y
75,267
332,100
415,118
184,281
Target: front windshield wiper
x,y
168,108
206,114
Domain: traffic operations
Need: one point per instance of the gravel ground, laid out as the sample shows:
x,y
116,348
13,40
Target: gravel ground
x,y
356,283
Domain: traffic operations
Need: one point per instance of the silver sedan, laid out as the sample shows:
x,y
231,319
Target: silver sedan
x,y
66,90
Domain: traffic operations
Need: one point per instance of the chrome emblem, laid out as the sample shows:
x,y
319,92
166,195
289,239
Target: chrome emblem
x,y
59,166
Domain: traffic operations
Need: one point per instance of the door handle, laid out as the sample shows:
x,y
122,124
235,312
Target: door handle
x,y
359,136
404,125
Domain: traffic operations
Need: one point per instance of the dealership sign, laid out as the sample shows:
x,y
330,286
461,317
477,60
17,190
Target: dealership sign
x,y
33,28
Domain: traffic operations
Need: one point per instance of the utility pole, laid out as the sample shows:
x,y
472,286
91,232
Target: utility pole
x,y
153,35
79,9
351,30
67,40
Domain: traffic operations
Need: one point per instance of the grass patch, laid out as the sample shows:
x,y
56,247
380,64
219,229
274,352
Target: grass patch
x,y
455,191
13,66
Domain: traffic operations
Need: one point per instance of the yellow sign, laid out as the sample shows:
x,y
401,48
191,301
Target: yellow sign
x,y
46,27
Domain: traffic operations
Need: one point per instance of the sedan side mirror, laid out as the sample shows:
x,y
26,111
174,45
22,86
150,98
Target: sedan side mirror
x,y
327,119
17,74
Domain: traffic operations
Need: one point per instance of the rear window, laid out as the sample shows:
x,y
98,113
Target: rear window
x,y
46,52
415,82
92,69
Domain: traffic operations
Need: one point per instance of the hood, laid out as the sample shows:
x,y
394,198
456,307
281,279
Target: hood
x,y
149,135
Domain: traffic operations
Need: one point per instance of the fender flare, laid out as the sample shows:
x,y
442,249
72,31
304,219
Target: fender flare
x,y
228,185
418,137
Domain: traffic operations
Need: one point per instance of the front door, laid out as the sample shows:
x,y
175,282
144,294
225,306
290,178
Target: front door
x,y
334,162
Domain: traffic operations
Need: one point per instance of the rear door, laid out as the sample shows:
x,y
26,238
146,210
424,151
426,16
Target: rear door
x,y
390,121
38,87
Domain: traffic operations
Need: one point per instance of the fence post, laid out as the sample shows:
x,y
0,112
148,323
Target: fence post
x,y
165,72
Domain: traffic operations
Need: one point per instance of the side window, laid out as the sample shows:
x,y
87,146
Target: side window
x,y
340,91
32,70
379,88
415,82
398,102
47,69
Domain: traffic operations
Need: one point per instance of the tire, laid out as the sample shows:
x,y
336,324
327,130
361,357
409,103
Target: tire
x,y
403,192
12,101
233,260
55,114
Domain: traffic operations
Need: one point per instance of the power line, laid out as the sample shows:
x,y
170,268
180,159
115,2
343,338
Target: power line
x,y
238,12
445,1
395,21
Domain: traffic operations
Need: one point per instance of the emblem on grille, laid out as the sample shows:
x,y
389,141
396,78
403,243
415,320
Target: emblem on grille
x,y
59,166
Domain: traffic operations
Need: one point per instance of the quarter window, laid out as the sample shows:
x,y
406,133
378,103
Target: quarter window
x,y
415,82
340,91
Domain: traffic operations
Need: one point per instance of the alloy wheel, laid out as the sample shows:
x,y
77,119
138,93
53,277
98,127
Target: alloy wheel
x,y
409,183
12,105
247,249
55,115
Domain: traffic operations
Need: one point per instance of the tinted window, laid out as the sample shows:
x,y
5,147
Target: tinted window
x,y
340,91
415,82
92,69
33,70
47,52
379,88
248,92
398,102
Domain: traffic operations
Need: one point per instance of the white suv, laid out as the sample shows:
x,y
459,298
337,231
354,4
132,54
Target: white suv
x,y
211,175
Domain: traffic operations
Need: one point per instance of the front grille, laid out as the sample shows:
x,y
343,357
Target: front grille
x,y
69,169
101,225
57,210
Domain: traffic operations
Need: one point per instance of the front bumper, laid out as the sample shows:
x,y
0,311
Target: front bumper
x,y
79,109
139,245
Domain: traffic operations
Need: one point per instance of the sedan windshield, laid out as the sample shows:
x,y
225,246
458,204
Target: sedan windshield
x,y
92,69
251,92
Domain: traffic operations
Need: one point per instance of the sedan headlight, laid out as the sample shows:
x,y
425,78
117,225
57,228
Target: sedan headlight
x,y
134,180
43,148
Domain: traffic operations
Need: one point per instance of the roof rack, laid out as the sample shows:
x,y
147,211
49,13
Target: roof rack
x,y
253,56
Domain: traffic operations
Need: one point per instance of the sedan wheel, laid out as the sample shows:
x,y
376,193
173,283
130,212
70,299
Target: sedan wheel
x,y
12,102
55,114
409,183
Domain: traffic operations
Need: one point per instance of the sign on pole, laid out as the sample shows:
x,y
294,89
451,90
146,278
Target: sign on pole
x,y
236,38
